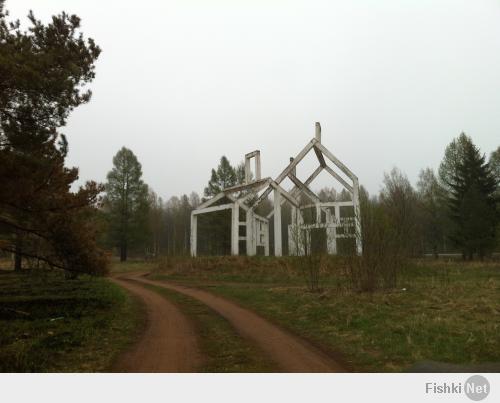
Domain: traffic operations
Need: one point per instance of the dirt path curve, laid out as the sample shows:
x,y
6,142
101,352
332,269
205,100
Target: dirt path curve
x,y
291,353
168,343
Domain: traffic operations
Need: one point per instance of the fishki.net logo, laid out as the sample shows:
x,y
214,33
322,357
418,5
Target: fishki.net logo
x,y
476,388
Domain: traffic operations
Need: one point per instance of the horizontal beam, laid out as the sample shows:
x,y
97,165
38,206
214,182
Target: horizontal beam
x,y
333,204
212,209
247,186
252,154
211,201
322,225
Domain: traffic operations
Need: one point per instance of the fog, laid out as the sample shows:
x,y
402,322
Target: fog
x,y
183,82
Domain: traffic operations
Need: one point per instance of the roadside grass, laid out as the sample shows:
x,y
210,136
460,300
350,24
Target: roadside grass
x,y
223,348
440,311
52,324
132,265
238,269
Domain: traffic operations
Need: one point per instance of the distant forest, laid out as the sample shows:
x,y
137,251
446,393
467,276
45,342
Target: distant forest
x,y
44,75
455,209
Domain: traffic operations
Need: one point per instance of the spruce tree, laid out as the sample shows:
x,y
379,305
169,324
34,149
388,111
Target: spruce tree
x,y
472,202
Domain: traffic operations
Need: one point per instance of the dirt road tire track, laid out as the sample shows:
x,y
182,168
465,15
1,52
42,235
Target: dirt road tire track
x,y
169,342
291,353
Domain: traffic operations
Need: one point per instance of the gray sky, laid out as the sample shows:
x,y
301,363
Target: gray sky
x,y
183,82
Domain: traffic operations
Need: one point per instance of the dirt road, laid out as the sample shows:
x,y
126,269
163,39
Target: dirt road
x,y
291,353
169,341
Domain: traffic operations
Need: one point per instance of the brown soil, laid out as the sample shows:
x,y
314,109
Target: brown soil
x,y
168,343
291,353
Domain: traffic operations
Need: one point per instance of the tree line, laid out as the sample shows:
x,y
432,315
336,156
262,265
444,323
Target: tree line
x,y
43,75
452,210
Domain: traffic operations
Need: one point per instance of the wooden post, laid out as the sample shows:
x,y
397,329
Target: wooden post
x,y
277,223
266,239
258,173
293,234
235,230
357,217
194,234
331,234
250,234
317,133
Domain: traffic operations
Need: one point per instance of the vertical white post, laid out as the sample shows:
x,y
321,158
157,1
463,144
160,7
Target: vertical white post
x,y
250,233
357,216
301,234
194,234
318,214
247,170
235,229
266,239
331,234
257,167
317,133
277,223
293,234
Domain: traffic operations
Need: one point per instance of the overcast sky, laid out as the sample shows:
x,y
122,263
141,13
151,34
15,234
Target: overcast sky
x,y
183,82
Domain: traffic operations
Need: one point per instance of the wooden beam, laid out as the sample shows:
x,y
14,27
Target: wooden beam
x,y
277,223
296,190
285,194
250,233
194,234
211,201
247,186
357,217
212,209
334,159
300,156
252,154
339,178
235,230
319,154
304,189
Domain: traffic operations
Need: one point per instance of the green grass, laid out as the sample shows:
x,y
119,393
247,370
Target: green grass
x,y
224,350
52,324
132,265
448,312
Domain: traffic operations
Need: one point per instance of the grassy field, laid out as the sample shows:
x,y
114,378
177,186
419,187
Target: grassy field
x,y
223,349
51,324
440,311
132,265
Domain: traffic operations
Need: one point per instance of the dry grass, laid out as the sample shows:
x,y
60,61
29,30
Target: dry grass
x,y
440,311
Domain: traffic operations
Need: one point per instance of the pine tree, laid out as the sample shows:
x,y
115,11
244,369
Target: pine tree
x,y
472,202
223,177
43,73
127,203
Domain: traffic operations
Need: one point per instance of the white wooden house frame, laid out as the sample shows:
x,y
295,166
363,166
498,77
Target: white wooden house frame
x,y
247,198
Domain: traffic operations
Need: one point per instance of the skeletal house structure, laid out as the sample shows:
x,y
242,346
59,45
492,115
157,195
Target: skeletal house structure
x,y
248,196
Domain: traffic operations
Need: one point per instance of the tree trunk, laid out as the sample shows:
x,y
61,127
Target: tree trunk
x,y
123,252
18,257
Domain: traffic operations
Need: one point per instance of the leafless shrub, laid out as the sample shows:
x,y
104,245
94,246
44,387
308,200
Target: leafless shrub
x,y
384,249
